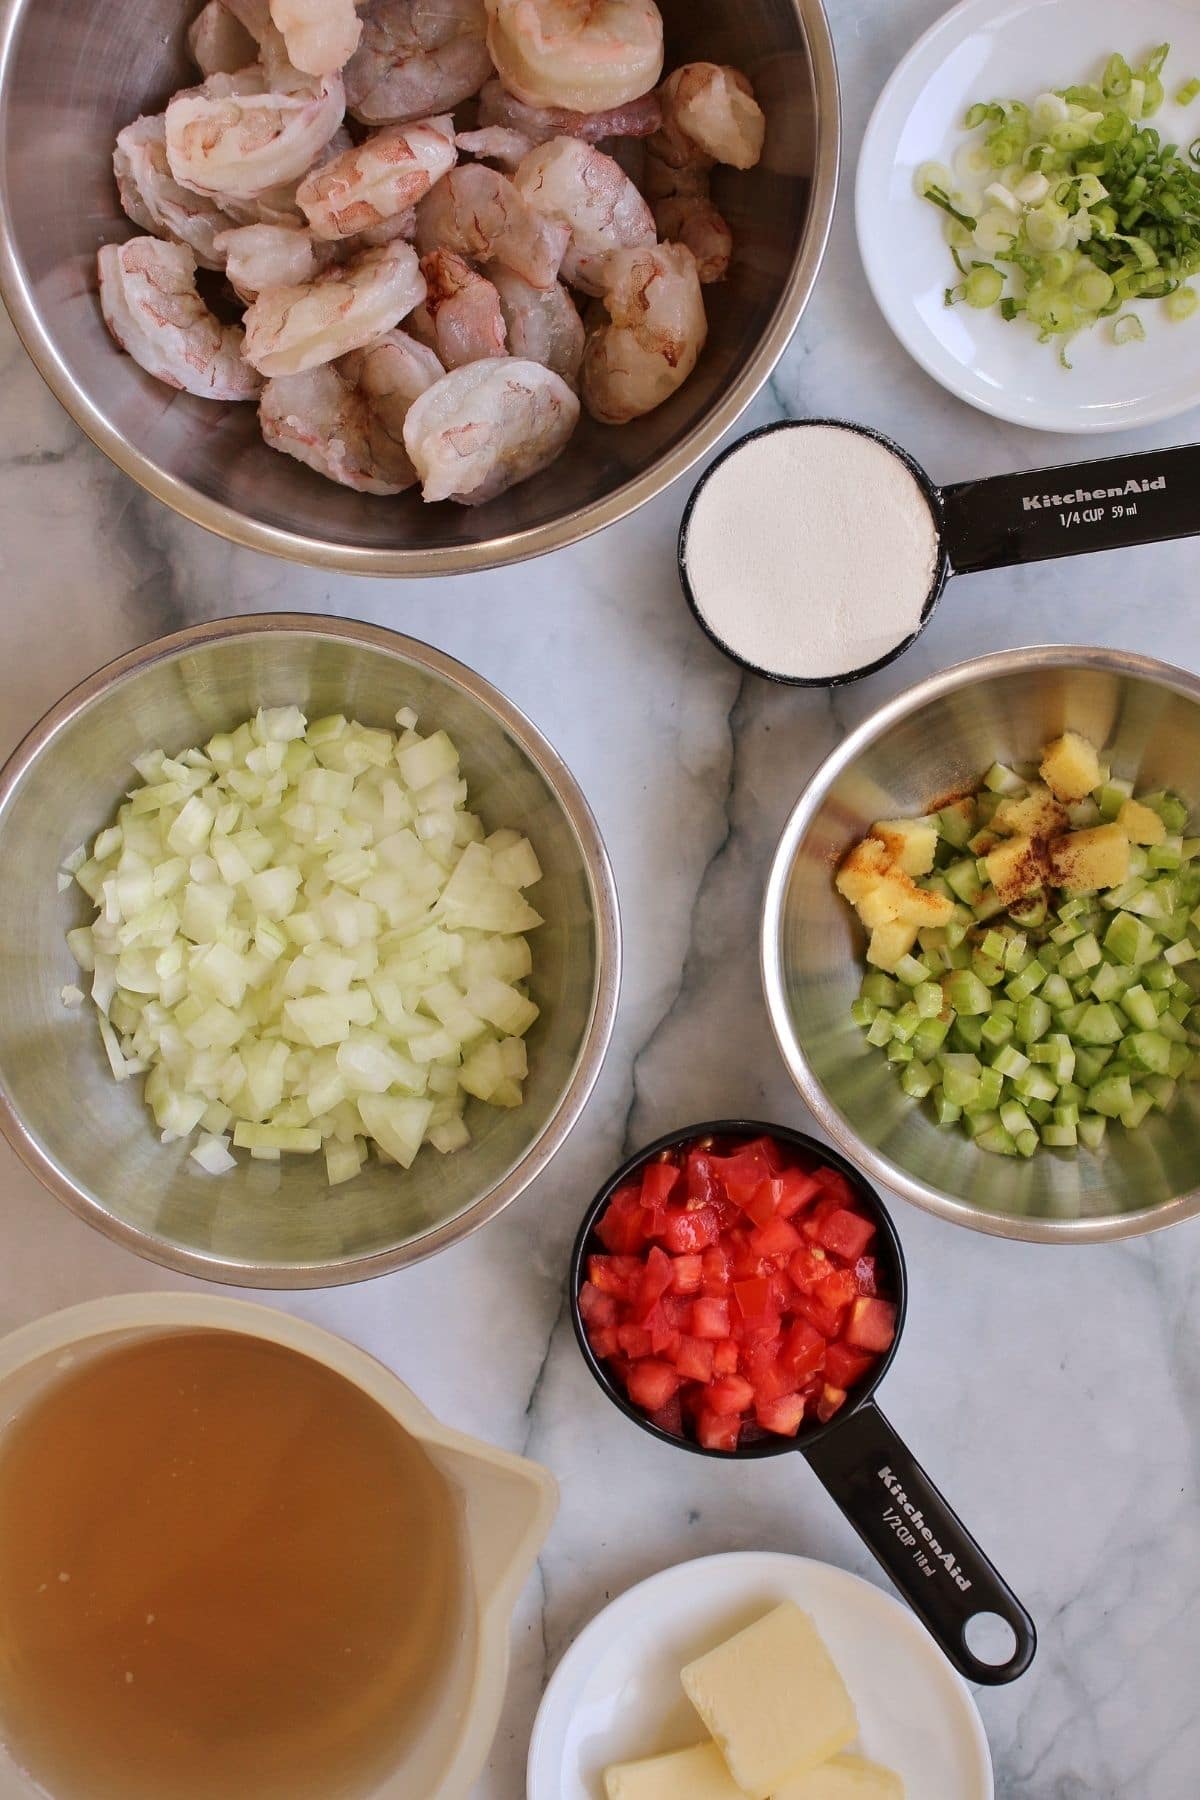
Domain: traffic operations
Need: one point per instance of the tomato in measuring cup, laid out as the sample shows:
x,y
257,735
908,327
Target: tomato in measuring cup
x,y
738,1294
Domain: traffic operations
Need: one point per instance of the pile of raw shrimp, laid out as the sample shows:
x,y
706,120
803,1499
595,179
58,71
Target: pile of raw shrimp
x,y
482,232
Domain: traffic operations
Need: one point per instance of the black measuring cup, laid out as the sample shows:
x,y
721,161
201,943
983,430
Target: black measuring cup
x,y
1000,521
864,1466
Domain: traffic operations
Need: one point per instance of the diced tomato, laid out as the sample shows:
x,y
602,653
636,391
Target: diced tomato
x,y
844,1367
872,1325
825,1207
657,1279
718,1268
703,1187
756,1303
772,1153
742,1172
866,1275
803,1351
603,1339
634,1340
669,1418
688,1229
710,1317
846,1234
782,1416
616,1275
622,1229
725,1357
807,1267
817,1313
596,1308
651,1384
764,1370
763,1203
776,1240
831,1401
695,1358
715,1431
730,1394
659,1180
835,1184
688,1273
837,1289
797,1188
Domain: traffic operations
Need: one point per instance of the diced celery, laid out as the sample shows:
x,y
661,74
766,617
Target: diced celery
x,y
1091,1130
898,1052
967,994
1111,1095
1002,780
963,880
1056,992
1009,1061
1059,1137
1033,1019
918,1079
997,1030
967,1034
911,972
1133,1115
946,1112
996,1141
929,1037
1099,1025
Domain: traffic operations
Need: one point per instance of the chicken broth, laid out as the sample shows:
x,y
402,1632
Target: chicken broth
x,y
224,1571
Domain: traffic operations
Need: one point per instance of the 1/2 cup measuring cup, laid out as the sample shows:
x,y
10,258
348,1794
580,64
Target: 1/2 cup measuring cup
x,y
864,1466
996,522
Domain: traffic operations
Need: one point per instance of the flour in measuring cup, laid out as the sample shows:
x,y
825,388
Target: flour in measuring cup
x,y
811,551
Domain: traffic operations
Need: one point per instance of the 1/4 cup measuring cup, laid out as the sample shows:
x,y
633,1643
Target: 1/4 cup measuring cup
x,y
864,1466
996,522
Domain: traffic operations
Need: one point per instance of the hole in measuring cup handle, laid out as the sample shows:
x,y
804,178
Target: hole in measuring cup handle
x,y
921,1542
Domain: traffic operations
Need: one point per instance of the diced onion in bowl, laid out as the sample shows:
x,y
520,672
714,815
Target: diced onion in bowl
x,y
307,941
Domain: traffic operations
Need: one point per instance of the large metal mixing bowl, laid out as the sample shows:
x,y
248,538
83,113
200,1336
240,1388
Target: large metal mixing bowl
x,y
72,73
93,1143
937,740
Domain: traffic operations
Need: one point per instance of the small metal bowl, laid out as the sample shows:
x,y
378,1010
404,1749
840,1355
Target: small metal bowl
x,y
72,74
932,742
93,1143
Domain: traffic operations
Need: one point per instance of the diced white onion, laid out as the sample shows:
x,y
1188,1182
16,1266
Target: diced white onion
x,y
310,943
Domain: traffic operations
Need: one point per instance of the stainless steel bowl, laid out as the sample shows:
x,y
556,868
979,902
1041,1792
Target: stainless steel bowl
x,y
93,1143
72,73
935,740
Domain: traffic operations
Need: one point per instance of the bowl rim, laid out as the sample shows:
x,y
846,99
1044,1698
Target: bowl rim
x,y
507,546
601,1018
879,1167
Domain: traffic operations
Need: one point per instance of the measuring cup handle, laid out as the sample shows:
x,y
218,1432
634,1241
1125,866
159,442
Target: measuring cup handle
x,y
923,1545
1124,500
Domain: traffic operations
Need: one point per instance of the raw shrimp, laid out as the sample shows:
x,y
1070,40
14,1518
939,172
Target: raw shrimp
x,y
150,304
710,108
695,221
320,418
577,185
321,35
390,374
461,318
244,144
496,143
154,199
655,330
400,225
289,329
270,256
477,212
218,43
486,426
543,324
539,124
588,55
417,57
383,176
662,180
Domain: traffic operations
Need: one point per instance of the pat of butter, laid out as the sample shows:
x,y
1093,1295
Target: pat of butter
x,y
698,1774
844,1778
773,1701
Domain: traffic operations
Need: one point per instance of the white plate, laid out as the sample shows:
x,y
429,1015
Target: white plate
x,y
616,1694
1015,49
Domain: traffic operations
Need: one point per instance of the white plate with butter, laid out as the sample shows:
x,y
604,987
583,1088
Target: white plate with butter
x,y
616,1695
1015,49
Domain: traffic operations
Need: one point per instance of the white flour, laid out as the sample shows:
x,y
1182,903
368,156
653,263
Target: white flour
x,y
811,552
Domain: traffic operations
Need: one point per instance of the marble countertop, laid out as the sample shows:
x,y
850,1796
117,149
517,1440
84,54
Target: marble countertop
x,y
1053,1393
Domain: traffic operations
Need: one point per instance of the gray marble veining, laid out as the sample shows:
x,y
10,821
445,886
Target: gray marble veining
x,y
1053,1394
